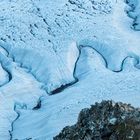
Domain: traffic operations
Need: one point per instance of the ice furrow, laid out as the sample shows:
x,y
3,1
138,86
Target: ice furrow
x,y
26,91
4,76
43,70
45,73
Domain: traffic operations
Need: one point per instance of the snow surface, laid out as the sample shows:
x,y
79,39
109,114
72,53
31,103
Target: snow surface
x,y
57,57
134,13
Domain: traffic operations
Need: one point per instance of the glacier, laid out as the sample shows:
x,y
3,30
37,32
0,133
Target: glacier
x,y
57,57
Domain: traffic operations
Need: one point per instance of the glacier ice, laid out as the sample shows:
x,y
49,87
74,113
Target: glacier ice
x,y
134,13
83,50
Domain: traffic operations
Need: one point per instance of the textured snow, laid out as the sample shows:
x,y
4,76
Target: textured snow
x,y
134,13
57,57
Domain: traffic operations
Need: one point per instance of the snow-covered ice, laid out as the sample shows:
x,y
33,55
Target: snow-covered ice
x,y
134,12
57,57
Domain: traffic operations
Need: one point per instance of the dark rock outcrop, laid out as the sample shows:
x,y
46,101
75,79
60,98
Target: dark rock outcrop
x,y
105,121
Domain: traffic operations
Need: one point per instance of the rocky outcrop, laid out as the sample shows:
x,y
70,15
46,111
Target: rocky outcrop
x,y
105,121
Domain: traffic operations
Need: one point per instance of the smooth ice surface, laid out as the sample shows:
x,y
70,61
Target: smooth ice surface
x,y
57,57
